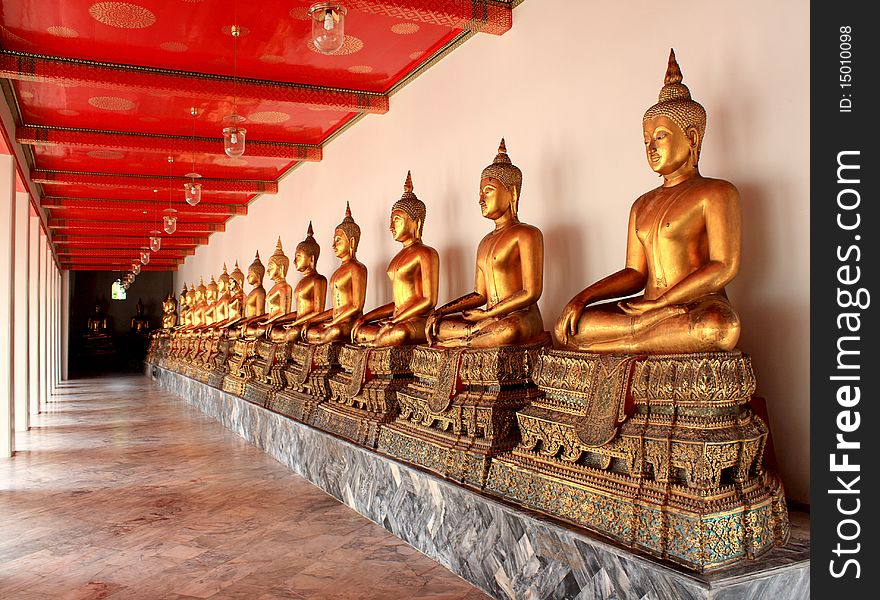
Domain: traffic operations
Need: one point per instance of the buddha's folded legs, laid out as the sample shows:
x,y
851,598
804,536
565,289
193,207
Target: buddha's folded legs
x,y
518,327
706,325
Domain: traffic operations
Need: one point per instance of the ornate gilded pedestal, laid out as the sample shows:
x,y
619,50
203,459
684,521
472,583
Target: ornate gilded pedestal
x,y
242,352
682,477
306,380
364,393
203,362
461,409
264,372
219,366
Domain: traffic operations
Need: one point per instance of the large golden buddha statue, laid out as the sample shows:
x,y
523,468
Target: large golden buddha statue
x,y
509,273
279,297
221,306
348,288
139,322
414,274
169,312
683,247
235,306
184,309
255,302
199,305
310,294
211,291
97,323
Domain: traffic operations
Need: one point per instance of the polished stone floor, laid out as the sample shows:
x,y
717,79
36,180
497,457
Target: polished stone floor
x,y
121,491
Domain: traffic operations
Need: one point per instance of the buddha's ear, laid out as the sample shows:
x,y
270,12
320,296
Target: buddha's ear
x,y
514,200
693,136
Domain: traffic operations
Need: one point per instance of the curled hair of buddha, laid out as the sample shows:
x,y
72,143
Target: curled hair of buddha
x,y
348,226
257,267
410,205
279,258
309,246
676,104
237,275
504,171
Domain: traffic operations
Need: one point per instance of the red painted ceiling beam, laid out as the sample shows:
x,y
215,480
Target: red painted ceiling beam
x,y
119,268
159,144
131,226
100,75
486,16
85,239
203,208
109,252
152,182
123,261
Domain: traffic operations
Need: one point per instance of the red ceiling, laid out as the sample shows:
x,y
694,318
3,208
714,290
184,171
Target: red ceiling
x,y
102,95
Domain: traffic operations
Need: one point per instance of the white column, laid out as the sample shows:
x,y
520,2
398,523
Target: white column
x,y
20,380
65,325
44,335
7,248
34,316
53,330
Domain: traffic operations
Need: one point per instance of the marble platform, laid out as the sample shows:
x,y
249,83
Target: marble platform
x,y
507,551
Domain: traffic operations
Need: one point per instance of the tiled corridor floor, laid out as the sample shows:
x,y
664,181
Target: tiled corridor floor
x,y
122,491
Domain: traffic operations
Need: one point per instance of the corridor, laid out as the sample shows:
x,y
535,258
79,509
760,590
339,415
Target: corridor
x,y
123,491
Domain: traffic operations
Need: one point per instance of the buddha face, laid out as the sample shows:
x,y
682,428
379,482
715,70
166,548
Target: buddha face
x,y
200,295
233,285
303,261
253,277
221,286
667,147
211,295
403,227
342,246
495,199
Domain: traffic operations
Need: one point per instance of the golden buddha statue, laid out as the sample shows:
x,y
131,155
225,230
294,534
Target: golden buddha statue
x,y
279,297
683,247
97,323
199,305
348,288
210,303
510,273
221,306
184,309
139,322
169,312
235,291
414,274
310,293
254,303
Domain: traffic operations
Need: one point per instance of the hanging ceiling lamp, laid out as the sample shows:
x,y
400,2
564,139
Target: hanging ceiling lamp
x,y
135,267
328,26
169,221
192,189
155,239
145,256
233,133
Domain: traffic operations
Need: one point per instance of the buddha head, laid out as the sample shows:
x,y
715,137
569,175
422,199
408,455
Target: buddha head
x,y
256,272
408,214
674,127
346,236
201,291
307,252
500,186
211,291
222,282
183,295
236,280
278,263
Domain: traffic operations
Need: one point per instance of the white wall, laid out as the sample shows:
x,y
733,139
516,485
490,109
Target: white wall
x,y
567,87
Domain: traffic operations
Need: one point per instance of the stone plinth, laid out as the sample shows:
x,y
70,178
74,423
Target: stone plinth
x,y
509,552
364,392
460,410
679,473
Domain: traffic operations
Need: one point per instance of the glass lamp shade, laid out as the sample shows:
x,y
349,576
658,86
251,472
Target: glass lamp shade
x,y
328,26
193,190
169,222
135,268
233,137
155,241
145,257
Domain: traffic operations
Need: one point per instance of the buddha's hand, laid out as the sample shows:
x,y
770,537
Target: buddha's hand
x,y
641,306
474,315
432,326
569,319
480,325
651,312
355,329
